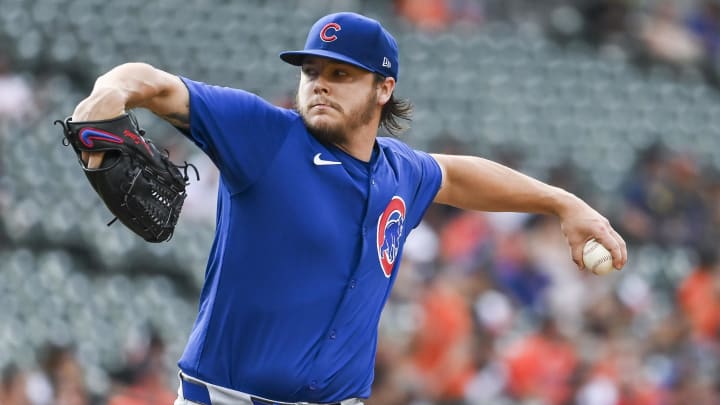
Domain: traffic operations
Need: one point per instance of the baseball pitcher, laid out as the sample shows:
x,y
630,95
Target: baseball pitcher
x,y
313,211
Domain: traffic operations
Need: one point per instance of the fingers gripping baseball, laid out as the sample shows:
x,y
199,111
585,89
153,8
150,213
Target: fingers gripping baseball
x,y
582,224
612,241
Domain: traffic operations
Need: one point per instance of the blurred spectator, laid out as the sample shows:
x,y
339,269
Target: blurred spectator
x,y
541,366
488,383
704,23
435,15
17,102
440,350
663,202
12,386
606,21
144,380
464,238
425,14
684,367
643,194
65,375
565,290
605,317
689,218
617,373
699,295
517,275
615,370
201,201
598,390
494,312
392,385
468,12
665,37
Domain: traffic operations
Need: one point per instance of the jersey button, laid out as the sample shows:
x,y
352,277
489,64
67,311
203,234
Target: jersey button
x,y
353,283
313,385
372,181
332,334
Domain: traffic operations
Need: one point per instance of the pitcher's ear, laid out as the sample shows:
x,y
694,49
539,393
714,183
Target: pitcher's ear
x,y
385,90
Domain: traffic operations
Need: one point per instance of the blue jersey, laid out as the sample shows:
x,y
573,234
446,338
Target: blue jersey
x,y
307,248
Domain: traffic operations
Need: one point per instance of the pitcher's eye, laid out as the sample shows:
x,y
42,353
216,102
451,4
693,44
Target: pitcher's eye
x,y
309,71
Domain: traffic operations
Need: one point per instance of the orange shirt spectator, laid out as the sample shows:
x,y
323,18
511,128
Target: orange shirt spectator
x,y
617,362
699,297
441,348
542,365
426,14
463,236
144,394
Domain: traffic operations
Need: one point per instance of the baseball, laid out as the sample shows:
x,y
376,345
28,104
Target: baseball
x,y
597,259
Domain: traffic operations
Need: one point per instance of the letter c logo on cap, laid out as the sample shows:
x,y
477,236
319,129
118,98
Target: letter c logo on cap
x,y
326,29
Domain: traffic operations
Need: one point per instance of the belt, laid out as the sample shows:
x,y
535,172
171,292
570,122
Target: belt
x,y
203,393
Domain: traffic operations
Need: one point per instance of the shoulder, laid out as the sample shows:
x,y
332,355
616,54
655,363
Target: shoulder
x,y
395,147
407,159
223,94
210,97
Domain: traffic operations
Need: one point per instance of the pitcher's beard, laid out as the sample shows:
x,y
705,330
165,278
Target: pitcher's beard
x,y
338,133
326,133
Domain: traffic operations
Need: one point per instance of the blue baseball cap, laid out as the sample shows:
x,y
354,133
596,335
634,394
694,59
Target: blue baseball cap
x,y
351,38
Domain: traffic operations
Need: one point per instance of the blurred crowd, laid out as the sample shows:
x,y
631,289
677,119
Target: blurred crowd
x,y
488,308
683,36
59,378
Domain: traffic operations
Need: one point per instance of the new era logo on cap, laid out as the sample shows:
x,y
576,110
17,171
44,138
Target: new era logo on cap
x,y
351,38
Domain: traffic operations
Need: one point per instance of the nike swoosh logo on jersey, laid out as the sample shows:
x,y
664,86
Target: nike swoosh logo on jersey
x,y
322,162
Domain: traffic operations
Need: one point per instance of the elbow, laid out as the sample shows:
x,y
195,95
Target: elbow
x,y
134,67
138,82
124,72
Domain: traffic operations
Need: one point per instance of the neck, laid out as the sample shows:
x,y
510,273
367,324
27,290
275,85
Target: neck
x,y
360,143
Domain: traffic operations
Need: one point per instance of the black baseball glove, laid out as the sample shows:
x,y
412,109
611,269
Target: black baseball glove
x,y
138,183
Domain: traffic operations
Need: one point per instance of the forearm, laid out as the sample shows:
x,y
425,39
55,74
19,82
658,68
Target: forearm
x,y
480,184
125,87
136,83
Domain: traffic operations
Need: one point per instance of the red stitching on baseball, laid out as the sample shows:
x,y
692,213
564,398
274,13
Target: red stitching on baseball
x,y
602,260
